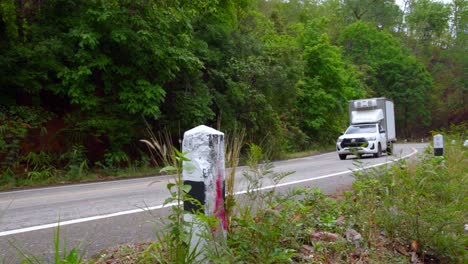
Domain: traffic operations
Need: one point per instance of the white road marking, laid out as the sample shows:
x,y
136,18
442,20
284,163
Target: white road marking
x,y
81,220
329,175
98,217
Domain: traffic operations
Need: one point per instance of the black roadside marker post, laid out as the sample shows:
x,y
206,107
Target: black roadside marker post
x,y
438,145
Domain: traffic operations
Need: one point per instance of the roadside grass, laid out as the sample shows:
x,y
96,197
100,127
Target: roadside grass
x,y
62,253
419,207
314,151
299,226
45,169
413,212
48,177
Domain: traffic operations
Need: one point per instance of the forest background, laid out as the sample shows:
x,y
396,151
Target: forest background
x,y
82,81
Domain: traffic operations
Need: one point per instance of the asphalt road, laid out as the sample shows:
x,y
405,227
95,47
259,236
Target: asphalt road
x,y
105,214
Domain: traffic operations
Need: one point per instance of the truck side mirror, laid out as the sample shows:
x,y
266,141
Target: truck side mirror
x,y
342,133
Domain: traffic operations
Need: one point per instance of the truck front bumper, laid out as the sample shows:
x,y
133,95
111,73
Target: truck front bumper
x,y
369,149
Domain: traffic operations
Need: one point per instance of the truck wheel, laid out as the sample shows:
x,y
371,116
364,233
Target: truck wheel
x,y
390,149
342,156
379,152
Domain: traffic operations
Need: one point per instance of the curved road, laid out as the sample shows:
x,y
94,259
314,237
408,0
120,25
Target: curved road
x,y
105,214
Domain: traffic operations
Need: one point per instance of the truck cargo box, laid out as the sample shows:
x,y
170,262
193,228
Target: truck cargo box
x,y
374,110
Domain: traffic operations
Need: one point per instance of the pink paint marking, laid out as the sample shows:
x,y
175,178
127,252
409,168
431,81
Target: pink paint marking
x,y
219,203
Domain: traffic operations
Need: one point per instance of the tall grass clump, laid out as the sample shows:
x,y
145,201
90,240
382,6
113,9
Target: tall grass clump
x,y
174,235
422,205
62,253
233,147
160,148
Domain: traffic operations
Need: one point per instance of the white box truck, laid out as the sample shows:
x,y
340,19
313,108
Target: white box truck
x,y
371,130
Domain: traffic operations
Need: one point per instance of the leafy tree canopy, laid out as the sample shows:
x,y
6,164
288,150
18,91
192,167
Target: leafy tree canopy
x,y
391,72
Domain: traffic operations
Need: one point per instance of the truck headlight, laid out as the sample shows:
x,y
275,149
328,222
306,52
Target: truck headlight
x,y
339,140
370,138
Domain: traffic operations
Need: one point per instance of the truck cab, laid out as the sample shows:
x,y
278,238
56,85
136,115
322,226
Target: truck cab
x,y
362,139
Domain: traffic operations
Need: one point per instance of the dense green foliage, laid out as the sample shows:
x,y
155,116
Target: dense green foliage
x,y
327,85
94,74
390,72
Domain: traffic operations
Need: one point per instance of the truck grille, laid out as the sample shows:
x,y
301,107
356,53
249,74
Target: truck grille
x,y
354,142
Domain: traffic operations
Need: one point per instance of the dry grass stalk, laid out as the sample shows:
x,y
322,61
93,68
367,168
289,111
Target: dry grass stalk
x,y
234,144
160,147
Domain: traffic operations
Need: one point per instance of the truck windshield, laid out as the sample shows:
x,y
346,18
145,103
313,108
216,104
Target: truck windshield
x,y
361,129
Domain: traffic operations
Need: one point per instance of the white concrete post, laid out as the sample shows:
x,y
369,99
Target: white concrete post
x,y
205,149
438,145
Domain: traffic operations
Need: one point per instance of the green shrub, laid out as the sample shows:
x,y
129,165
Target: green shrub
x,y
15,124
421,202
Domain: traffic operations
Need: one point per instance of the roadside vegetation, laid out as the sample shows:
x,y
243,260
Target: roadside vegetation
x,y
80,81
413,212
40,172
